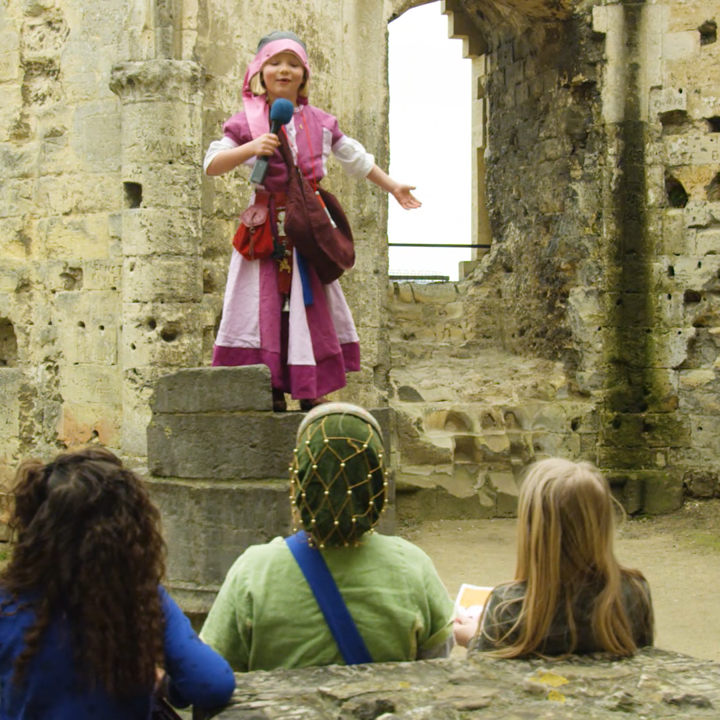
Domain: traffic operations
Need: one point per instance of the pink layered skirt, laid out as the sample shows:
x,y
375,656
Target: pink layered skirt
x,y
308,350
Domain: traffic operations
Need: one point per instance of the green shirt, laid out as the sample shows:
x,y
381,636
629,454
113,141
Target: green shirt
x,y
265,615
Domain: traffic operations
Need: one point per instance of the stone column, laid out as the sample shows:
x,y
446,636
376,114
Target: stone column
x,y
481,232
162,284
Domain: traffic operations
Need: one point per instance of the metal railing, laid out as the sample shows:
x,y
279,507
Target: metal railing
x,y
417,277
440,245
428,277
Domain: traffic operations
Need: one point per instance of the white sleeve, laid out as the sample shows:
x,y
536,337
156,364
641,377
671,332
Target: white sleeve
x,y
353,157
217,146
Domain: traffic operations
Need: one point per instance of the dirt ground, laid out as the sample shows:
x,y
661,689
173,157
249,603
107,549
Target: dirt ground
x,y
679,554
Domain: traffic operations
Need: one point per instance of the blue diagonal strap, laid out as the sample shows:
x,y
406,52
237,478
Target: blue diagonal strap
x,y
349,641
305,279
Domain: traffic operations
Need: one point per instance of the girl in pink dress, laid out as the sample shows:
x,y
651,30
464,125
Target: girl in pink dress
x,y
307,339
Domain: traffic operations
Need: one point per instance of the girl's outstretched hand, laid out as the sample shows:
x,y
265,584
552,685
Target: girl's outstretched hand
x,y
399,191
406,199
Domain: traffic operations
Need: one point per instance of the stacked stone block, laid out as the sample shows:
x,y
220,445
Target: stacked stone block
x,y
218,459
470,416
462,460
423,315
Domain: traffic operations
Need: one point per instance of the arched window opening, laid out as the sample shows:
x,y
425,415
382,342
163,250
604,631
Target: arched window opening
x,y
435,95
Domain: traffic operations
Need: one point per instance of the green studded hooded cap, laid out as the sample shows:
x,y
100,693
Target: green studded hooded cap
x,y
338,485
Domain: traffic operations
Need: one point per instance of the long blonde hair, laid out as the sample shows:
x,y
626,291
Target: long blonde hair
x,y
565,546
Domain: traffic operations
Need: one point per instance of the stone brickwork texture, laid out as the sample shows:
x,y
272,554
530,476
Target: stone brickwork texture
x,y
471,415
597,134
603,174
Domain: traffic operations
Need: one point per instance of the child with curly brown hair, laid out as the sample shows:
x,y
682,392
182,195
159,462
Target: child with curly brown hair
x,y
85,626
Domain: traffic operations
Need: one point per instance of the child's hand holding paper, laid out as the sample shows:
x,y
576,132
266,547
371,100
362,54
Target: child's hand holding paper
x,y
468,609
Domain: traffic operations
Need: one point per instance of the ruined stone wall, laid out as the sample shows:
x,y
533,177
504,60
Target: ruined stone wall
x,y
113,245
543,170
602,176
653,683
59,248
682,176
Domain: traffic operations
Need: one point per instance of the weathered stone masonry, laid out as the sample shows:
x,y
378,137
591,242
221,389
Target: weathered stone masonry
x,y
59,274
601,154
653,684
162,284
113,246
597,127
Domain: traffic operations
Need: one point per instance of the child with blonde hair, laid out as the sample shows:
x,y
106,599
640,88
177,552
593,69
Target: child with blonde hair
x,y
277,311
570,594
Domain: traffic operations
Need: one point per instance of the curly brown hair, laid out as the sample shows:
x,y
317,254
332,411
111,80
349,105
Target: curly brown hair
x,y
88,546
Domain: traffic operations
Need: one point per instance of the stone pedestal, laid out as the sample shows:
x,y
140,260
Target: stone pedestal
x,y
218,460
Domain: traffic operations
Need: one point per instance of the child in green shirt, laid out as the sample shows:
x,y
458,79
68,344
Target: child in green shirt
x,y
266,615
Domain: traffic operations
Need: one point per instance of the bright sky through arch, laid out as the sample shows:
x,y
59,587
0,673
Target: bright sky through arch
x,y
430,125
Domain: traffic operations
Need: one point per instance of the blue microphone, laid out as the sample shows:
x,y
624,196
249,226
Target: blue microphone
x,y
281,113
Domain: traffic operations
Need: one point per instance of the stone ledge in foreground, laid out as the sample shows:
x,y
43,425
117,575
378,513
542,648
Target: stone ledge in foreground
x,y
653,684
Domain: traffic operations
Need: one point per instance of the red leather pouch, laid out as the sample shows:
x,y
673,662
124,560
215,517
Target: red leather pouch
x,y
253,239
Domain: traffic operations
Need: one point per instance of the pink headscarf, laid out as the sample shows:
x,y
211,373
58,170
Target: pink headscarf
x,y
256,106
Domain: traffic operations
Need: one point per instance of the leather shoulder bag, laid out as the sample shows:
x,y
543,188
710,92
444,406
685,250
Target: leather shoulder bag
x,y
316,223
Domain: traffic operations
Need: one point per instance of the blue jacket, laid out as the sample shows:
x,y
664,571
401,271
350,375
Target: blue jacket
x,y
51,690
